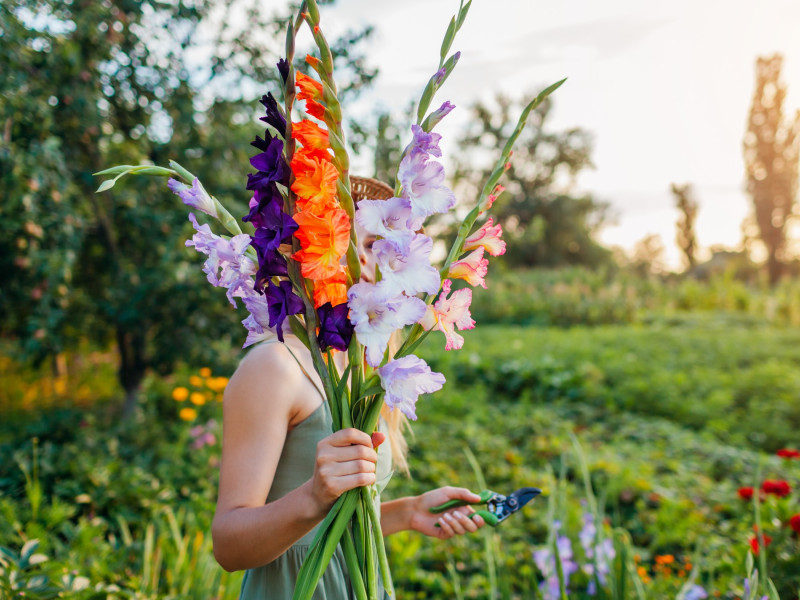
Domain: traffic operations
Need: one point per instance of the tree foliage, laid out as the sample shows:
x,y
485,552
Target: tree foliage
x,y
545,221
86,85
686,236
771,154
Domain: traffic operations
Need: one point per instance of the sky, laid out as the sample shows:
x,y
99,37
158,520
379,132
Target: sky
x,y
665,88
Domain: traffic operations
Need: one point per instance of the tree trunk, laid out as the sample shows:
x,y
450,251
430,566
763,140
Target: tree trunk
x,y
133,364
774,269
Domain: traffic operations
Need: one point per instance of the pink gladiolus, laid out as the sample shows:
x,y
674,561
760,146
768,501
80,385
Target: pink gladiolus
x,y
472,268
487,237
448,313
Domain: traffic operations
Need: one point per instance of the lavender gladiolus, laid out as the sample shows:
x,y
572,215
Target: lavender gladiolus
x,y
376,314
405,264
440,113
405,379
423,185
387,218
194,196
427,143
226,265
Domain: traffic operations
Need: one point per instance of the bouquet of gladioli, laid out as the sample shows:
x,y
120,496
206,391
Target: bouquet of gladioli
x,y
300,269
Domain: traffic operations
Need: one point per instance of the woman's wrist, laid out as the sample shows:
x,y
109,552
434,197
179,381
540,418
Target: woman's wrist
x,y
398,515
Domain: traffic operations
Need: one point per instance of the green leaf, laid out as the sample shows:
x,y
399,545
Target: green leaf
x,y
114,170
185,175
448,39
381,485
372,391
462,14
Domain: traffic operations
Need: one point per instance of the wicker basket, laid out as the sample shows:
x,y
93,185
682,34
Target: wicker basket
x,y
366,188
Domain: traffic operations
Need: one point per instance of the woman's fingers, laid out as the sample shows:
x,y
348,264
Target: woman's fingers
x,y
356,452
446,527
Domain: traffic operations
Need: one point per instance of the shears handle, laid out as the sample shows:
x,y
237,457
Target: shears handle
x,y
485,496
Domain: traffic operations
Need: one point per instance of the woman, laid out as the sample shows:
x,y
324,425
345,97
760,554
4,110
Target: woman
x,y
277,447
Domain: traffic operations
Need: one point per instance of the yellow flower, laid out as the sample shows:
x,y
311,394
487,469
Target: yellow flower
x,y
180,394
196,381
188,414
205,372
197,398
217,383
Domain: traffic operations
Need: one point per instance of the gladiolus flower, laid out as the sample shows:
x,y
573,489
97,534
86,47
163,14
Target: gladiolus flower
x,y
270,166
406,265
488,237
195,196
440,113
335,329
387,218
423,184
311,136
448,313
281,302
315,184
746,493
788,453
324,240
405,379
794,523
376,314
283,69
273,116
778,487
332,290
472,268
311,92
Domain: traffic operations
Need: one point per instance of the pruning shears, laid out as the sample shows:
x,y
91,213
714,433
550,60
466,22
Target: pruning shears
x,y
498,507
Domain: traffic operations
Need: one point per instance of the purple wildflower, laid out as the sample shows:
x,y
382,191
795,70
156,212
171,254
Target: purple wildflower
x,y
546,562
601,555
226,265
335,329
273,116
375,313
194,196
282,302
405,379
405,264
696,592
202,436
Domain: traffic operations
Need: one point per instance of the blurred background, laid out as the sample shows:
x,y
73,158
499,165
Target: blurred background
x,y
647,309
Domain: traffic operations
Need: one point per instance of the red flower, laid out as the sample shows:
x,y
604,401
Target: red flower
x,y
746,493
788,453
779,487
754,543
794,522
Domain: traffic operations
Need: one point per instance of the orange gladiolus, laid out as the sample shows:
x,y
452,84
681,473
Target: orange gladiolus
x,y
311,92
311,135
315,183
324,240
333,290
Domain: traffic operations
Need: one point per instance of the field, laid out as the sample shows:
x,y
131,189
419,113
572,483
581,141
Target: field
x,y
651,427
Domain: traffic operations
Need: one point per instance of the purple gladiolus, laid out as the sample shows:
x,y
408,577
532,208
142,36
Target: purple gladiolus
x,y
335,329
405,264
440,113
273,116
281,302
275,227
283,69
271,263
226,265
194,196
264,206
427,143
270,165
257,322
376,314
405,379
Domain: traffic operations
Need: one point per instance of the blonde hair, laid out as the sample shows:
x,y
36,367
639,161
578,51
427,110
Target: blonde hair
x,y
396,422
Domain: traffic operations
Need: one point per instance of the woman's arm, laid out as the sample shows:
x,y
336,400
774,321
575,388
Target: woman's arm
x,y
259,405
412,512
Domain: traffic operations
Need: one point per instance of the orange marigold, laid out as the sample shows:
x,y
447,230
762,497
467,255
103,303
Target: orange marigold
x,y
324,240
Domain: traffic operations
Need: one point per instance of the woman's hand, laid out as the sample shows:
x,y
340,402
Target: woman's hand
x,y
453,522
345,460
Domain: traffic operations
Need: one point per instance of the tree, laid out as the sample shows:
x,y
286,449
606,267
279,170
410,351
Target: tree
x,y
686,236
771,155
546,223
86,85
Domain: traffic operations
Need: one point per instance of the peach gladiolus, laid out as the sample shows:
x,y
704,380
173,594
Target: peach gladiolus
x,y
472,268
311,135
315,183
448,313
487,237
333,290
311,92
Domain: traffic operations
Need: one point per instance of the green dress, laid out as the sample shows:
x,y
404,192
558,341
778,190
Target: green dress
x,y
276,580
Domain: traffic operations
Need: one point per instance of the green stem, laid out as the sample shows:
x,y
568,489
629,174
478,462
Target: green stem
x,y
351,560
377,534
